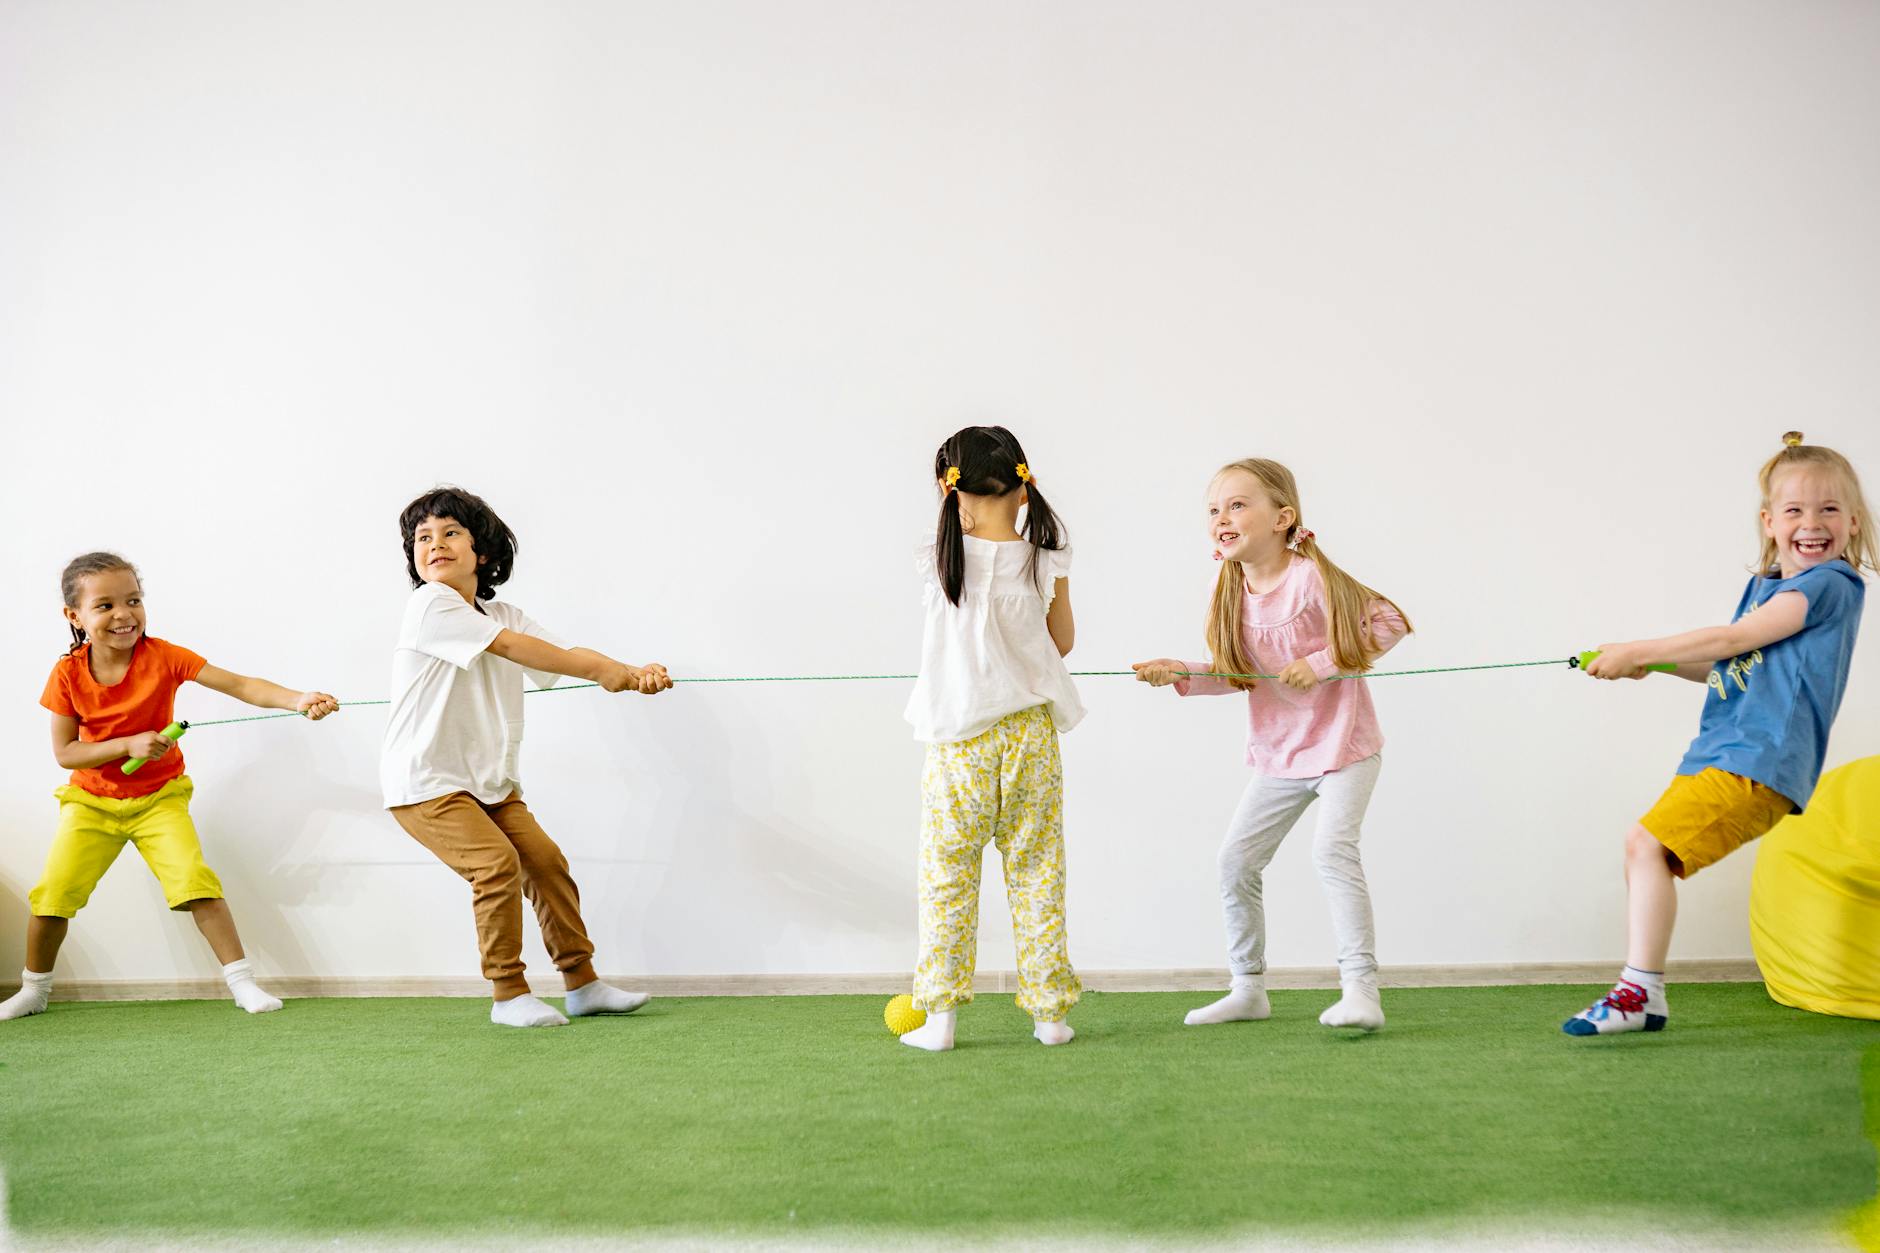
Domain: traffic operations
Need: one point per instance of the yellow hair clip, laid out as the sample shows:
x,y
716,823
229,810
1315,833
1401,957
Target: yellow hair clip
x,y
1791,439
1024,473
952,476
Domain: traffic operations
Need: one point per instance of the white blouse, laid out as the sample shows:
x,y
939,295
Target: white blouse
x,y
990,655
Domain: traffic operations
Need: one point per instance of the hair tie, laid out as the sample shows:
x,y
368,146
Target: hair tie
x,y
1792,439
1300,536
952,475
1024,473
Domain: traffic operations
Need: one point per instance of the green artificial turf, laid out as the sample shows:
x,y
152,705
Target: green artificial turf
x,y
797,1114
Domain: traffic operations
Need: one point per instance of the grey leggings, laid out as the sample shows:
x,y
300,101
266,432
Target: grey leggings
x,y
1266,813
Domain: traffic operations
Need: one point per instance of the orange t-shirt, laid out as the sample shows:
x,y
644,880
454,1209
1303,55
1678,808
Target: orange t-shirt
x,y
143,700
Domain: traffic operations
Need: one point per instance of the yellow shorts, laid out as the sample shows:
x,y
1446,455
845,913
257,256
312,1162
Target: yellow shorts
x,y
93,831
1704,816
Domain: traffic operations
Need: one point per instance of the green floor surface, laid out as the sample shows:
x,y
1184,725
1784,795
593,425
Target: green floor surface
x,y
797,1114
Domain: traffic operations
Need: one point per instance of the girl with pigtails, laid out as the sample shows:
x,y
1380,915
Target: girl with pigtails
x,y
991,698
1281,607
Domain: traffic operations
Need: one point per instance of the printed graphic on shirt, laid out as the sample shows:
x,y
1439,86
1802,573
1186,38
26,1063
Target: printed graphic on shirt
x,y
1737,672
1768,711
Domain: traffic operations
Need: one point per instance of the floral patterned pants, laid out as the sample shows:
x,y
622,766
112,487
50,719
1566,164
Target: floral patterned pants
x,y
1004,786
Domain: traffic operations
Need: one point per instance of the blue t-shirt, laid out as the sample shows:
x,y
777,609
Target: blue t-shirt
x,y
1767,714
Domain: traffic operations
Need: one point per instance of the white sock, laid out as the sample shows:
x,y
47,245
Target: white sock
x,y
1059,1032
1653,981
1636,1003
935,1035
1650,980
601,998
35,991
1359,1007
247,993
1245,1001
525,1011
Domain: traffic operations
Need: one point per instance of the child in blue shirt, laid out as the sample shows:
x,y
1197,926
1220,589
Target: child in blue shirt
x,y
1775,675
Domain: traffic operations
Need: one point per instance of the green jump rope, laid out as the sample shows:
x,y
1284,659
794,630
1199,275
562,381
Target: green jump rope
x,y
175,730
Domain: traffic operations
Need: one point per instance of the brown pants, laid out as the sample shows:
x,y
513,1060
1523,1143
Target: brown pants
x,y
505,855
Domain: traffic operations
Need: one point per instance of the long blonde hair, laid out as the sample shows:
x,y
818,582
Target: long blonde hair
x,y
1862,546
1347,599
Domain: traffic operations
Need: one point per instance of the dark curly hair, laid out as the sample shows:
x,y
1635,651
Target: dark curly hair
x,y
490,536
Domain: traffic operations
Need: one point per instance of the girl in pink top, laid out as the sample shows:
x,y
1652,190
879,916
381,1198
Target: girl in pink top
x,y
1281,607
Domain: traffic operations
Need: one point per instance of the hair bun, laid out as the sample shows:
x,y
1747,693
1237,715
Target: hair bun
x,y
1791,439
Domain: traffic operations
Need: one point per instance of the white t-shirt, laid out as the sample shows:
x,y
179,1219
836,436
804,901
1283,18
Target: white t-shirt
x,y
456,721
990,655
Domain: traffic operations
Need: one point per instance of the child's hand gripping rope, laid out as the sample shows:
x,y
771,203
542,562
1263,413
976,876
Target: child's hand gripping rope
x,y
647,680
1609,663
153,744
311,705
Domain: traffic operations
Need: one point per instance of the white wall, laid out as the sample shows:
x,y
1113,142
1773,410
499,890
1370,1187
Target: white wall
x,y
1523,292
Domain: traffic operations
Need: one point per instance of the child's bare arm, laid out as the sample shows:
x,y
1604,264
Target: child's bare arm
x,y
1781,616
265,695
1058,620
579,663
73,753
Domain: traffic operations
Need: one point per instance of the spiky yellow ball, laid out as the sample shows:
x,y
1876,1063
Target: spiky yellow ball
x,y
901,1016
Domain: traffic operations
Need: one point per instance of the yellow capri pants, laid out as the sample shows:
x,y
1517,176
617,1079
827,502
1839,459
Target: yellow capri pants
x,y
1005,787
93,831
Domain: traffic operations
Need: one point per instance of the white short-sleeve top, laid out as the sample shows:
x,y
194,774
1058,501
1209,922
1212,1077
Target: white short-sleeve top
x,y
456,720
990,655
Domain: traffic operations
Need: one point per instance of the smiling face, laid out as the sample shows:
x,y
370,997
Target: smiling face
x,y
1809,517
110,609
1243,521
443,552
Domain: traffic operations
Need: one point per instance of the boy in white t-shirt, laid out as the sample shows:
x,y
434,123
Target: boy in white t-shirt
x,y
448,767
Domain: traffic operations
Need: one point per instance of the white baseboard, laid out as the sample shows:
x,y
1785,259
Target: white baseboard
x,y
297,987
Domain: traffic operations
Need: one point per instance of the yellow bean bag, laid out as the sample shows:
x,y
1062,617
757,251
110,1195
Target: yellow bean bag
x,y
1814,901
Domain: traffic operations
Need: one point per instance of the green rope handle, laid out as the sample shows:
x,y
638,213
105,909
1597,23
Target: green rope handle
x,y
854,678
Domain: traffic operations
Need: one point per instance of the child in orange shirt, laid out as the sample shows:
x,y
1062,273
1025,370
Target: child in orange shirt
x,y
109,695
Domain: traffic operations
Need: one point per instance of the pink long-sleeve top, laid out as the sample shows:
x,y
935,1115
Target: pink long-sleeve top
x,y
1293,734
